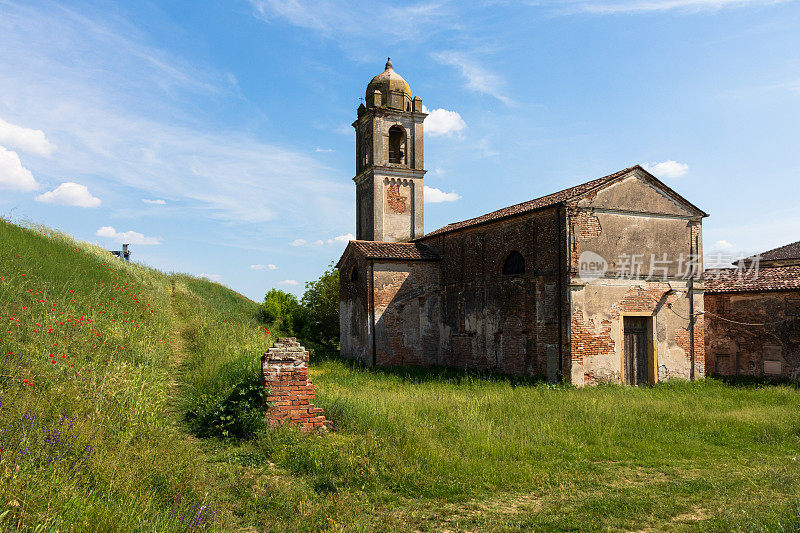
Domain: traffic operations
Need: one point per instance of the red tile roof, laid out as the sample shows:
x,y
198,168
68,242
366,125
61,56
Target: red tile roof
x,y
768,278
408,251
532,205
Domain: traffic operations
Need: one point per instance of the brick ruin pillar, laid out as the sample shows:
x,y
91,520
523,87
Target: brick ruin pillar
x,y
290,394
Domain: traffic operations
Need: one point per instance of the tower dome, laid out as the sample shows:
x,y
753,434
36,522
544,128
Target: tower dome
x,y
394,90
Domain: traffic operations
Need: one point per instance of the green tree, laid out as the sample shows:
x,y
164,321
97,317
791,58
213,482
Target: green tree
x,y
320,303
282,310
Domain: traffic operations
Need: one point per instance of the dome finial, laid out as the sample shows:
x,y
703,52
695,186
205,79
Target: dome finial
x,y
389,63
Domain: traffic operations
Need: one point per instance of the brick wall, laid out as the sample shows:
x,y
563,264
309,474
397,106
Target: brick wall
x,y
290,394
354,300
504,323
739,349
406,299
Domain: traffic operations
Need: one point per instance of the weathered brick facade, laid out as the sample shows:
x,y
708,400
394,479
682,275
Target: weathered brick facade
x,y
507,292
460,309
753,317
500,322
290,395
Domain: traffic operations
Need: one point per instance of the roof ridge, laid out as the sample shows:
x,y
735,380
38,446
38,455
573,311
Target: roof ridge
x,y
401,250
769,278
787,247
511,210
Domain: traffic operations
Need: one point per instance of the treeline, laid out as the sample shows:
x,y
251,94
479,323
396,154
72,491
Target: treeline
x,y
314,318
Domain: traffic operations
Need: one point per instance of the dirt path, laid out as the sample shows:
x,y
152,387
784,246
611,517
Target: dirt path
x,y
177,343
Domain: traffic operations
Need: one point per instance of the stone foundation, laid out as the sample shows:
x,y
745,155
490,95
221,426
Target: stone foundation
x,y
290,394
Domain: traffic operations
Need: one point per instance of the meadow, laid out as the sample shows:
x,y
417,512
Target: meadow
x,y
130,402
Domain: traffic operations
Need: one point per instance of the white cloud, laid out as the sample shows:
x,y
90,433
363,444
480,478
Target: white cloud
x,y
443,122
344,18
212,277
70,193
127,237
121,112
342,239
347,237
667,169
325,150
24,139
644,6
722,245
345,129
153,202
272,267
13,175
288,282
258,267
478,78
436,196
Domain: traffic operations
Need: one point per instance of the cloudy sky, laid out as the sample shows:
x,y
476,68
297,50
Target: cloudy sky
x,y
215,136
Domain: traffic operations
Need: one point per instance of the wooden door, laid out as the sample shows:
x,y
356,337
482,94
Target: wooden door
x,y
637,362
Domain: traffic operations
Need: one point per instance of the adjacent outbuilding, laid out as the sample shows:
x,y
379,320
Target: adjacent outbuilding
x,y
753,315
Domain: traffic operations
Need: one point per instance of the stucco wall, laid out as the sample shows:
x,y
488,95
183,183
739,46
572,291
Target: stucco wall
x,y
648,243
381,215
596,328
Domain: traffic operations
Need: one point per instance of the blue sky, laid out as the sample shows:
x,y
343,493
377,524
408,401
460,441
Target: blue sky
x,y
215,136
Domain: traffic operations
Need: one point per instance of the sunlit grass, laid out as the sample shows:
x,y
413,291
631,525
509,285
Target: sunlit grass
x,y
87,335
118,433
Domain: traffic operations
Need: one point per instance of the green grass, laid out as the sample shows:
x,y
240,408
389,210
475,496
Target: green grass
x,y
159,408
86,379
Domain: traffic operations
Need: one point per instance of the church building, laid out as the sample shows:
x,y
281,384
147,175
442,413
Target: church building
x,y
598,282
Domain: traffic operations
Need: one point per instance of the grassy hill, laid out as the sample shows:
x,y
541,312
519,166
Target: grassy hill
x,y
130,402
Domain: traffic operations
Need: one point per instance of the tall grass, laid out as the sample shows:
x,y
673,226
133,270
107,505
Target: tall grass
x,y
111,442
86,362
222,393
589,459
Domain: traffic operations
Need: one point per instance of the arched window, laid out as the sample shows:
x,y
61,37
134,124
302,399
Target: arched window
x,y
354,274
514,264
397,145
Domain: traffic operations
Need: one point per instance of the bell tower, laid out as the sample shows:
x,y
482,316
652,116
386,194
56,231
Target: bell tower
x,y
389,164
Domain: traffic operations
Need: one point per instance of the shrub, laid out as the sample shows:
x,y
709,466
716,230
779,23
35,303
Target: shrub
x,y
237,412
321,305
282,310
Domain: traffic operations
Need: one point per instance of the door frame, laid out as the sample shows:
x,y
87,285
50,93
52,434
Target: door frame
x,y
652,349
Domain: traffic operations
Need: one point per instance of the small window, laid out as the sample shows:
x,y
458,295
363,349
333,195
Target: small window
x,y
366,149
773,368
515,264
723,364
792,307
354,274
